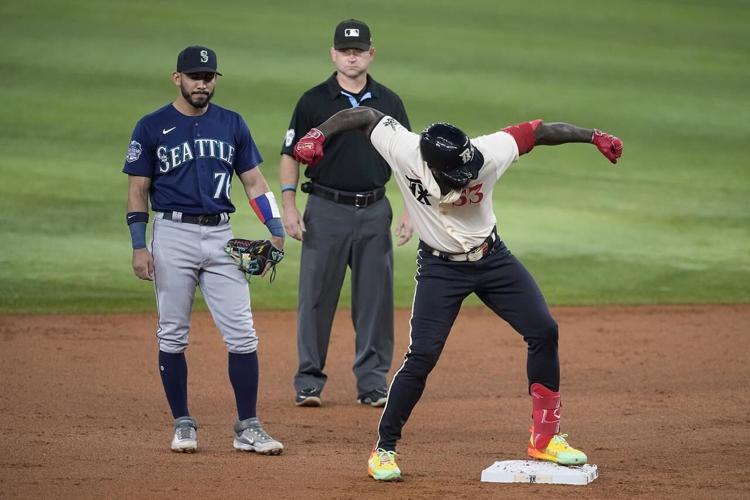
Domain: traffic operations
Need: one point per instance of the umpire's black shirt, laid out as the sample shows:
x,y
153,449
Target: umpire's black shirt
x,y
350,162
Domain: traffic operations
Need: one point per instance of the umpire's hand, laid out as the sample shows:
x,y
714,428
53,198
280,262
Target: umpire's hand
x,y
293,222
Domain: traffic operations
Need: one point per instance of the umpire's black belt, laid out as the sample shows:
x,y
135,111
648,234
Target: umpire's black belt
x,y
473,255
357,199
201,220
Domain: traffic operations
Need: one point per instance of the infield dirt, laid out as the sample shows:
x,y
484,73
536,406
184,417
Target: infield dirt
x,y
656,396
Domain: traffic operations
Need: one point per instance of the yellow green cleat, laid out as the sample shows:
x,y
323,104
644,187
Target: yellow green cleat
x,y
382,466
558,451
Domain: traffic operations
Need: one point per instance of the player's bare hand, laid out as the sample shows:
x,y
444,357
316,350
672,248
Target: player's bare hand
x,y
609,145
309,149
143,264
404,229
293,223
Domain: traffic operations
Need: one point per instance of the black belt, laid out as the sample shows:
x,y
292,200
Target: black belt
x,y
358,199
473,255
201,220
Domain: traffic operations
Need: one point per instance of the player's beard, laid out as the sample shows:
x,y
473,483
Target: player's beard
x,y
202,98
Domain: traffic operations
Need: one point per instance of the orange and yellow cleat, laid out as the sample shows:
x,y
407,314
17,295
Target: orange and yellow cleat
x,y
558,451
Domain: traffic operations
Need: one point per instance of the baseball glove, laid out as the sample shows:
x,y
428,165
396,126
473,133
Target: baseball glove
x,y
252,256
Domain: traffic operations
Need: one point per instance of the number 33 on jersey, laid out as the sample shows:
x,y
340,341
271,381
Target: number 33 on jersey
x,y
191,159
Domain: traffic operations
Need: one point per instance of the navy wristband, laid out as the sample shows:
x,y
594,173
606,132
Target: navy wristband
x,y
288,187
136,217
138,234
275,226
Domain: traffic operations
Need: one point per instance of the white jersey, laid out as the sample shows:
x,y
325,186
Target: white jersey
x,y
460,220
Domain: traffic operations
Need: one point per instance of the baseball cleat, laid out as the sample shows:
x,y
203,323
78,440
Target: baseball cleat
x,y
376,398
382,466
249,435
558,451
185,438
308,397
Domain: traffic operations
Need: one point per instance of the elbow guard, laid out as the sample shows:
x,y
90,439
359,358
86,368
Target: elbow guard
x,y
524,134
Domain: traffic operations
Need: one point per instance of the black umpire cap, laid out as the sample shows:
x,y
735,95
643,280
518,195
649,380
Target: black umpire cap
x,y
352,34
197,59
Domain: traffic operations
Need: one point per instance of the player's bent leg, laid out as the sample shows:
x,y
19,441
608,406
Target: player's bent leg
x,y
437,300
512,293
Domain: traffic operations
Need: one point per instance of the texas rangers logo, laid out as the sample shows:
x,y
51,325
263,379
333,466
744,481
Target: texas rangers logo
x,y
134,151
418,190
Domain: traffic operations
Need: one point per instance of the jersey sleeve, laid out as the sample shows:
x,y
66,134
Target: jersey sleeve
x,y
298,126
397,145
141,157
499,149
247,155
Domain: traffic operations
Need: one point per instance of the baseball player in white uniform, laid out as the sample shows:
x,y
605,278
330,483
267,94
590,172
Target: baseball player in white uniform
x,y
447,182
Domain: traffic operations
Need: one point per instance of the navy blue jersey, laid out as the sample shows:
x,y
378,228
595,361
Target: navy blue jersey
x,y
190,159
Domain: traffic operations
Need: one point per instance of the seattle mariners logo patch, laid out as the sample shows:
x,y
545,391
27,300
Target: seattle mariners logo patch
x,y
134,151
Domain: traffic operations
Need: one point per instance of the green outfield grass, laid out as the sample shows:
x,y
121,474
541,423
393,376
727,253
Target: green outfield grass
x,y
670,224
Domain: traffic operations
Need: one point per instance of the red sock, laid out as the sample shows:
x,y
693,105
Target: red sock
x,y
546,415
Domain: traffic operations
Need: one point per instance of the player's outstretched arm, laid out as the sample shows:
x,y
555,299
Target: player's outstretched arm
x,y
552,134
309,149
529,134
362,117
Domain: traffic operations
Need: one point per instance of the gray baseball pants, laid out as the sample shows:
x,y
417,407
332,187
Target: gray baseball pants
x,y
189,255
340,236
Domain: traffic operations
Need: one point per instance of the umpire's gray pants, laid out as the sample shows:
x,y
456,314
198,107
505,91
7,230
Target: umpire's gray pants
x,y
338,236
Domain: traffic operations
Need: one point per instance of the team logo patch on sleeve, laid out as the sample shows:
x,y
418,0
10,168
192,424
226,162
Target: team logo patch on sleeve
x,y
289,137
134,151
390,122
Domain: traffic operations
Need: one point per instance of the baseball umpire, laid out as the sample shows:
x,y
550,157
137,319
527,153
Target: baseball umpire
x,y
346,223
447,182
183,156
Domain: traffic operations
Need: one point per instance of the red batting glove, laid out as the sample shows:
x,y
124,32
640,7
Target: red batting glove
x,y
309,149
609,145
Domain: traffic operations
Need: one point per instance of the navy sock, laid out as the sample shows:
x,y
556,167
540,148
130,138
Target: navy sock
x,y
173,371
243,373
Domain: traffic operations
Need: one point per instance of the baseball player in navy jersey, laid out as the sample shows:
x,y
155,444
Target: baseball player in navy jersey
x,y
183,156
447,182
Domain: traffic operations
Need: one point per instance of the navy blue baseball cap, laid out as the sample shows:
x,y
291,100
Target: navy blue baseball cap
x,y
197,59
352,34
